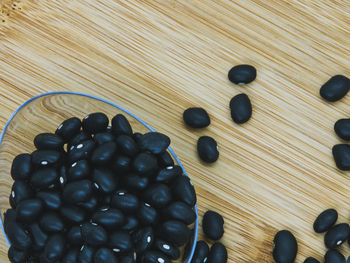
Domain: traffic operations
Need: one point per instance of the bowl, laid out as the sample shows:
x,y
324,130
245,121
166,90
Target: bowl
x,y
44,113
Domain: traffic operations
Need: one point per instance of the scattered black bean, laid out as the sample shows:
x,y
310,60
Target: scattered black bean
x,y
336,235
48,141
120,241
168,174
342,128
217,253
145,163
104,180
103,137
165,159
51,222
121,164
334,256
153,256
341,155
18,236
78,170
74,236
167,249
105,255
20,191
286,247
157,195
89,205
72,256
130,223
175,231
95,122
44,178
93,234
86,254
109,218
68,128
179,211
127,145
196,118
154,142
183,190
39,237
135,182
51,199
242,74
21,166
103,153
325,220
147,215
201,252
120,125
124,201
17,256
137,136
213,225
54,247
241,108
335,88
28,210
73,214
311,260
42,158
80,151
143,239
79,138
77,191
207,149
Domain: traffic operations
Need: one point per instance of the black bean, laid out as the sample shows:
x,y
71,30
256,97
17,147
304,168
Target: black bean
x,y
63,178
89,205
137,136
127,145
93,234
105,255
106,201
286,247
183,190
16,255
12,202
201,252
103,137
77,192
110,218
54,247
74,236
241,108
120,241
175,231
135,182
179,211
188,247
127,259
242,74
28,210
9,216
48,141
51,199
33,259
120,125
79,138
325,220
121,164
81,151
20,191
104,180
44,177
336,235
95,122
145,163
51,222
86,254
103,153
154,142
341,155
130,223
73,214
78,170
157,195
165,159
42,158
143,239
213,225
207,149
21,166
335,88
196,118
334,256
124,201
18,236
72,256
147,215
68,128
38,236
217,253
167,249
153,256
311,260
168,173
342,128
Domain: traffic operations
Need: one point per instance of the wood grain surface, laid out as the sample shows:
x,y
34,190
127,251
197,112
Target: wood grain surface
x,y
156,58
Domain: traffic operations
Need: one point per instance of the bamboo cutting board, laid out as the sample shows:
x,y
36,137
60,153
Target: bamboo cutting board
x,y
156,58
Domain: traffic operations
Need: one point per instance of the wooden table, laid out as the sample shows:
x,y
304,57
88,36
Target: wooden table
x,y
156,58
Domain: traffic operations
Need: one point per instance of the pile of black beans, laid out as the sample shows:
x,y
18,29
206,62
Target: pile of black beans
x,y
285,249
94,193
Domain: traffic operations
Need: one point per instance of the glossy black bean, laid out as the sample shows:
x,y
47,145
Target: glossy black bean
x,y
21,166
44,177
89,205
105,255
103,153
120,125
167,249
126,259
120,241
179,211
121,164
147,215
175,231
154,142
143,239
54,247
18,236
196,117
241,108
95,122
42,158
137,136
341,155
48,141
165,159
51,199
334,256
335,88
78,170
73,214
16,255
104,180
29,210
109,218
79,138
325,220
51,222
207,149
168,173
68,128
127,145
93,234
286,247
201,252
20,191
242,74
311,260
81,151
39,237
213,225
71,256
157,195
103,137
217,253
86,254
63,177
9,216
336,235
342,128
183,190
124,201
153,256
130,223
77,192
74,236
145,163
135,182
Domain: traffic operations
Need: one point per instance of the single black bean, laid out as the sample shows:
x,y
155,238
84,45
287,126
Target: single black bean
x,y
39,237
127,259
120,125
20,191
51,222
153,256
341,155
54,247
137,136
73,214
207,149
105,255
110,218
44,178
28,210
201,252
130,223
42,158
242,74
21,167
335,88
51,199
104,180
74,236
286,247
165,159
81,151
147,215
48,141
143,239
311,260
120,241
154,142
103,137
179,211
241,108
325,220
72,256
334,256
68,128
127,145
135,182
217,253
175,231
124,201
213,225
157,195
95,122
78,170
77,192
86,254
196,117
168,173
18,236
145,163
79,138
103,153
16,255
167,249
9,216
89,205
93,234
336,235
183,190
342,128
121,164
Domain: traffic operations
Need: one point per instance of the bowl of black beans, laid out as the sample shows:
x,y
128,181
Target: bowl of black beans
x,y
83,180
